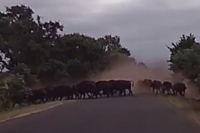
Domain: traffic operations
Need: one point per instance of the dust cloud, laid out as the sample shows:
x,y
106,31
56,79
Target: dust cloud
x,y
126,68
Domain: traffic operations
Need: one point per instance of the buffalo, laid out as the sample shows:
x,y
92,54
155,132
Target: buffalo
x,y
50,93
86,88
121,86
156,85
147,82
93,89
167,86
104,87
37,95
179,88
62,91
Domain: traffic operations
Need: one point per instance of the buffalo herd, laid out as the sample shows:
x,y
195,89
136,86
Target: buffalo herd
x,y
92,89
163,87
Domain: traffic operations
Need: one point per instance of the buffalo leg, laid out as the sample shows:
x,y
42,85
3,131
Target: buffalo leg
x,y
130,92
183,93
124,91
120,92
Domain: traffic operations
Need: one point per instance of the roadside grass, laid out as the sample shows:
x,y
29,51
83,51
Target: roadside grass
x,y
191,107
18,111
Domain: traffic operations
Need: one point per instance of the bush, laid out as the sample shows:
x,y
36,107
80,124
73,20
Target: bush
x,y
22,69
16,84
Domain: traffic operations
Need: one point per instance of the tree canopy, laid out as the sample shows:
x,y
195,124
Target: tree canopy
x,y
39,50
185,57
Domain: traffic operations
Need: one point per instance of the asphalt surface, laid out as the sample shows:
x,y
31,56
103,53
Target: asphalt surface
x,y
136,114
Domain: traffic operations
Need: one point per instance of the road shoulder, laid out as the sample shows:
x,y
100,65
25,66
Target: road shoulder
x,y
190,107
28,110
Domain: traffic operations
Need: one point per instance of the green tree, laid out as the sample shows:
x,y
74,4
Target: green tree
x,y
23,70
77,69
142,64
34,48
124,51
189,59
185,42
185,58
24,40
52,70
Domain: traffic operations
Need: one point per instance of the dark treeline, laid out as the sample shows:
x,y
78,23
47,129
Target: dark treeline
x,y
34,51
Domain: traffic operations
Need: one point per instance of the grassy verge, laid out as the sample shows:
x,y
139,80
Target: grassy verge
x,y
26,110
192,108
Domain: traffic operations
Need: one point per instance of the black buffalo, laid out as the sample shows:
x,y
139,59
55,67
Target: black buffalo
x,y
156,85
167,86
121,86
50,93
104,87
179,88
62,91
37,96
86,88
147,82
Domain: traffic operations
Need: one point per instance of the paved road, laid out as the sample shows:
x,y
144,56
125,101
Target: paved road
x,y
137,114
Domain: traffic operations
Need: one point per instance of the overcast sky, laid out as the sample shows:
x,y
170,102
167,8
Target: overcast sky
x,y
145,26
